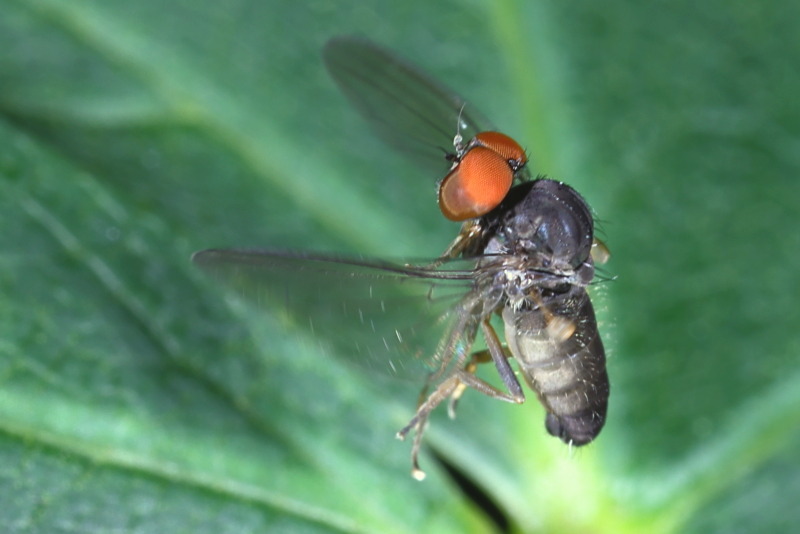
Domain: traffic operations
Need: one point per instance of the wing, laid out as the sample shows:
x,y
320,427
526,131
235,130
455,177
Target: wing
x,y
406,320
407,108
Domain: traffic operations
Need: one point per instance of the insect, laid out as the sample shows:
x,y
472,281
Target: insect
x,y
523,258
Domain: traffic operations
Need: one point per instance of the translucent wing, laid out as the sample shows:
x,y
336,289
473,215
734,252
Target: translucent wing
x,y
402,319
405,107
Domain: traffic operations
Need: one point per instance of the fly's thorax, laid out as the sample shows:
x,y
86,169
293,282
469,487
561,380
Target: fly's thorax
x,y
496,277
546,221
521,281
516,284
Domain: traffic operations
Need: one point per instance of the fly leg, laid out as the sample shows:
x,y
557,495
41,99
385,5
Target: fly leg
x,y
498,354
482,356
419,422
470,231
454,385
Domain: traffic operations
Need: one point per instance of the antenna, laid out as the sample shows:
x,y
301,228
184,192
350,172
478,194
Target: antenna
x,y
458,139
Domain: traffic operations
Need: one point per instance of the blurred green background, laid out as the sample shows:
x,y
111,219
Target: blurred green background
x,y
135,396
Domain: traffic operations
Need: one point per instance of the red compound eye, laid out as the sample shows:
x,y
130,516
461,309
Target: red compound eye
x,y
482,177
505,146
476,185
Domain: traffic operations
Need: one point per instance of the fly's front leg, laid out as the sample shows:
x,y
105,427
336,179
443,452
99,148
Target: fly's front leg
x,y
420,420
465,239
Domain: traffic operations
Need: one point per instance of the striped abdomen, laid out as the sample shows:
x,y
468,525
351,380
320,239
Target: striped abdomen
x,y
561,356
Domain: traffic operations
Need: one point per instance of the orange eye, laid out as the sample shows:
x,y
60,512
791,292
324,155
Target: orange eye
x,y
476,185
503,145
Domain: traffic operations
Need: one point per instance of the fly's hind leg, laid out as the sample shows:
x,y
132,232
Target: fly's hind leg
x,y
495,352
455,385
482,356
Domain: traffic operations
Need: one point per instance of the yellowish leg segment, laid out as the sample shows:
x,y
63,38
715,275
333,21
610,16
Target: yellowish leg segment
x,y
455,385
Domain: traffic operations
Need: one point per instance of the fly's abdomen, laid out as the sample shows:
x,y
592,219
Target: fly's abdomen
x,y
561,356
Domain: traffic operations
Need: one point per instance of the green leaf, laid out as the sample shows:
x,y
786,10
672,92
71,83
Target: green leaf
x,y
135,395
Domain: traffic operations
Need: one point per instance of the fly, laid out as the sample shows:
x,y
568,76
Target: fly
x,y
526,253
